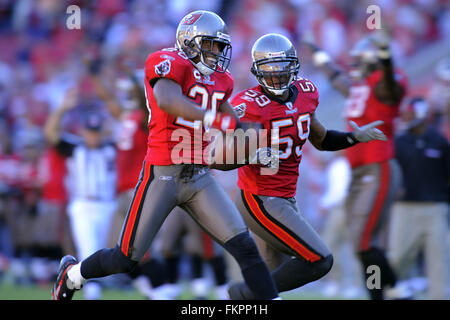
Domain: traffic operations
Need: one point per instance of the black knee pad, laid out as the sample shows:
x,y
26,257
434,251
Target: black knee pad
x,y
244,250
316,270
373,256
297,272
326,264
377,257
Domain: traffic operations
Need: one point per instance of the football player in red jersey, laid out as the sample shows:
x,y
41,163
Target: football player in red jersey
x,y
132,113
184,87
374,90
285,105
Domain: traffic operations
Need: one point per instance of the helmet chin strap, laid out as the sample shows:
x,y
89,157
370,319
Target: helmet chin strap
x,y
203,68
277,92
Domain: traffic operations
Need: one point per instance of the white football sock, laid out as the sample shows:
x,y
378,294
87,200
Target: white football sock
x,y
75,276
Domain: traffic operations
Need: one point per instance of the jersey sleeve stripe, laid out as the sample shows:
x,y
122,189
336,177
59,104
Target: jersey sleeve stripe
x,y
135,209
261,215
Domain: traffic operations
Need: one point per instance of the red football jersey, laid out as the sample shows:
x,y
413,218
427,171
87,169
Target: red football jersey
x,y
131,149
293,119
206,91
52,171
363,107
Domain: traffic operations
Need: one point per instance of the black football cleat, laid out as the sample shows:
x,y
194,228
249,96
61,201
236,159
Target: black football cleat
x,y
60,289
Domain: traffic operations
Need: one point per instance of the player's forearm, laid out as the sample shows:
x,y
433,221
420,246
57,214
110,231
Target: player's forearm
x,y
170,99
106,96
388,89
52,126
140,94
341,82
337,140
227,108
387,67
181,107
337,77
329,140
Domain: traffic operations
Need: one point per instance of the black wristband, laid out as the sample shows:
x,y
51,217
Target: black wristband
x,y
337,140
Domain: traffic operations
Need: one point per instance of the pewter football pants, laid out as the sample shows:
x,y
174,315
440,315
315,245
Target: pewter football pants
x,y
162,188
279,230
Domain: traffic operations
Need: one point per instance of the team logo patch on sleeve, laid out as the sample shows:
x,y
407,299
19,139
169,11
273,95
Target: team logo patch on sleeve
x,y
163,68
240,109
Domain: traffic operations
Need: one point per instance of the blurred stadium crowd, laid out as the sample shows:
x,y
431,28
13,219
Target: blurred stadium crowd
x,y
40,59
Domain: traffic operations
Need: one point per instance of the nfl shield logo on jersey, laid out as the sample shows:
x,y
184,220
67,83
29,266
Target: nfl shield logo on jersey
x,y
163,68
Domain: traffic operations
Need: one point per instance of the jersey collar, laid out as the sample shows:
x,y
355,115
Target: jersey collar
x,y
293,93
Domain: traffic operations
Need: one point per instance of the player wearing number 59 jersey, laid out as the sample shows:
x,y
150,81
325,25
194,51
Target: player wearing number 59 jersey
x,y
285,105
292,118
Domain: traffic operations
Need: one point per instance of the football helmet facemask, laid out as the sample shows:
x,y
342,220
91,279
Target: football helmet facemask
x,y
203,34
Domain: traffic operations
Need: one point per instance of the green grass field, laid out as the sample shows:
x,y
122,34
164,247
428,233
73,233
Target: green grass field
x,y
10,291
34,292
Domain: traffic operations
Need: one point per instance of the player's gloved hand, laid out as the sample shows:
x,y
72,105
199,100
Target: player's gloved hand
x,y
70,100
219,120
368,132
267,156
319,57
308,41
311,46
